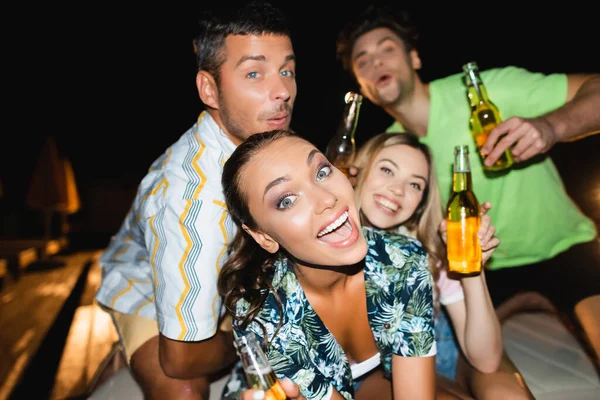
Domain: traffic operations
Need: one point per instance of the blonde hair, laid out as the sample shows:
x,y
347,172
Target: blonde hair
x,y
426,219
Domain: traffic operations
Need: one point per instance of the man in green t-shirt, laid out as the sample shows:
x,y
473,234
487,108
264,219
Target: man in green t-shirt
x,y
542,231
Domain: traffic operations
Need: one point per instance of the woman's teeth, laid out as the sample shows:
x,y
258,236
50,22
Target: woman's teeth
x,y
334,225
388,204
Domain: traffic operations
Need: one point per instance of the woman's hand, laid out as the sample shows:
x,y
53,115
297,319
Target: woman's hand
x,y
353,175
486,233
292,391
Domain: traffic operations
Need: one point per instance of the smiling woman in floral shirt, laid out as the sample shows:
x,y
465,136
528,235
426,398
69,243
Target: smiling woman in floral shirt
x,y
339,307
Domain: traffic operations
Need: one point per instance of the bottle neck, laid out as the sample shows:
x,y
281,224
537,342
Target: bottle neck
x,y
341,148
476,88
349,121
461,178
461,182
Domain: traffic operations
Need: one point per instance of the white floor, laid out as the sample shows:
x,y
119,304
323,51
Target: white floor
x,y
121,386
552,362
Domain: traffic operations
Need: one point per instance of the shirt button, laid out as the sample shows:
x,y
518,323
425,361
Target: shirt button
x,y
386,325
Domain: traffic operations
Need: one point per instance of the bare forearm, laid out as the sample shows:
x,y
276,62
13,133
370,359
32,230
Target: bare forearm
x,y
187,360
483,337
413,378
579,117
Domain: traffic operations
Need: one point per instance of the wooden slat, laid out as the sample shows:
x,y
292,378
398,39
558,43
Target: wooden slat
x,y
18,258
28,308
588,314
89,341
44,247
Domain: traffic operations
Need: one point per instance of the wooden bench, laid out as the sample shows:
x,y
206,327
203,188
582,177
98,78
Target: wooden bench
x,y
17,259
28,309
43,247
588,315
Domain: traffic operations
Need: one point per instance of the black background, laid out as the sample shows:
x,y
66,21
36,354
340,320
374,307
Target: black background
x,y
115,83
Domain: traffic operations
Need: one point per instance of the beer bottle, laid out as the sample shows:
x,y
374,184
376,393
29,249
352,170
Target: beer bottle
x,y
484,115
257,368
341,148
463,218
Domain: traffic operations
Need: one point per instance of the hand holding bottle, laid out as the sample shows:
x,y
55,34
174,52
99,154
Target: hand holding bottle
x,y
292,391
485,116
486,233
258,370
526,137
463,219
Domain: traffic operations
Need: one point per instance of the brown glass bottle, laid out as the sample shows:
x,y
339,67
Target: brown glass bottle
x,y
484,115
463,218
342,147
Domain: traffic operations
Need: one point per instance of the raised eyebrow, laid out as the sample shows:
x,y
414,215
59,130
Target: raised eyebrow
x,y
275,182
390,161
421,177
311,155
246,58
383,39
288,58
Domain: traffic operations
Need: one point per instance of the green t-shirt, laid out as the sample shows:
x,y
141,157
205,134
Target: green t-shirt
x,y
534,217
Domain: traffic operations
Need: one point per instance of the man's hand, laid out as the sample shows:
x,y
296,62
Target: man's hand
x,y
529,136
292,391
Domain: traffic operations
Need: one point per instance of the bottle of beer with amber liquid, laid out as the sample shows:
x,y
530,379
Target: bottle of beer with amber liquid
x,y
342,147
258,370
463,218
484,115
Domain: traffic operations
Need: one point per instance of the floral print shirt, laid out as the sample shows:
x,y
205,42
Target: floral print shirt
x,y
400,311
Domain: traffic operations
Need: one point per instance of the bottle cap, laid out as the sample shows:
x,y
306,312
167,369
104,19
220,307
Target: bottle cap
x,y
352,96
470,66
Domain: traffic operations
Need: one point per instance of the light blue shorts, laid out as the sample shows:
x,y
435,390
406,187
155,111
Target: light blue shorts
x,y
447,347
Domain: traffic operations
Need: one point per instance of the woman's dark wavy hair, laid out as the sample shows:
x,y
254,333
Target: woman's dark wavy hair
x,y
248,271
254,18
398,21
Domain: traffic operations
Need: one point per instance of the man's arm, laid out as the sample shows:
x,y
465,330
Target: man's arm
x,y
185,243
188,360
577,118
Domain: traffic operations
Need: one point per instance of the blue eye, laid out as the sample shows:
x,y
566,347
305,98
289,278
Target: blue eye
x,y
324,171
252,75
286,201
287,73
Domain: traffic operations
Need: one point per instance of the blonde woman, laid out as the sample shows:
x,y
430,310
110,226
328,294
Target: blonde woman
x,y
396,190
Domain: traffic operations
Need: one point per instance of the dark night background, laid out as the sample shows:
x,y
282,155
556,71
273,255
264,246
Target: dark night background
x,y
115,85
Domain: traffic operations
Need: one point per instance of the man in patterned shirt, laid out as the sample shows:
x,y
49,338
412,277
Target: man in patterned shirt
x,y
159,272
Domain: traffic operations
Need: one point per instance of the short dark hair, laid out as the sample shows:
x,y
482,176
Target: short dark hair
x,y
216,24
397,20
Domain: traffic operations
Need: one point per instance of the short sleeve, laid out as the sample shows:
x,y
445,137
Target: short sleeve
x,y
415,336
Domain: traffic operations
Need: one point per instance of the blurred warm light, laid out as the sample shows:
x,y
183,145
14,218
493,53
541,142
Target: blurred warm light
x,y
53,188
